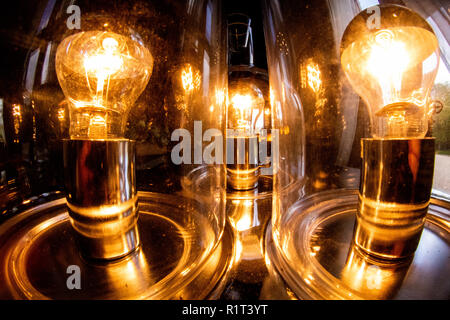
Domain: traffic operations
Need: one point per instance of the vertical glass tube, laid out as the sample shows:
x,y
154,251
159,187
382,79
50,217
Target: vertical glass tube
x,y
247,103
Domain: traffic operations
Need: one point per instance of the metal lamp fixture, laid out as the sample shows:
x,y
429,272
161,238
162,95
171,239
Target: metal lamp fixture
x,y
393,66
208,149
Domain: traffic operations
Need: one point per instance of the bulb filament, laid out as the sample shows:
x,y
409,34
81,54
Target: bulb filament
x,y
102,66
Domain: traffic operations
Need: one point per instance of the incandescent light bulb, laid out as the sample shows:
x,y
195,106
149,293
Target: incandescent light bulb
x,y
246,108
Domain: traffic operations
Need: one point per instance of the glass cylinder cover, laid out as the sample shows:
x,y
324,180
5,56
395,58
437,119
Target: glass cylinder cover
x,y
322,120
154,72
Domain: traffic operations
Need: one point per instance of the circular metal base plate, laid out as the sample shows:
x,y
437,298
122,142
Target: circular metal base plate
x,y
319,261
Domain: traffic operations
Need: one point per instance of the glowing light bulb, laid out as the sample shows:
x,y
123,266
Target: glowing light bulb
x,y
392,68
246,108
101,74
17,116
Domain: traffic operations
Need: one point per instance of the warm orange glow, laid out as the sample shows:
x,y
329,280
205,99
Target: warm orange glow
x,y
397,117
102,66
106,62
271,97
17,119
242,104
187,79
98,120
238,251
370,279
97,125
220,96
388,60
190,79
246,105
285,130
393,70
244,223
102,74
314,81
16,111
61,114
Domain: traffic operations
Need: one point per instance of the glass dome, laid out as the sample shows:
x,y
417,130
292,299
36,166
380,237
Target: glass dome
x,y
321,121
149,80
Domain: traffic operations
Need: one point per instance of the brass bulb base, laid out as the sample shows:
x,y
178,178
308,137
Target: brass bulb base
x,y
395,190
242,162
243,178
101,196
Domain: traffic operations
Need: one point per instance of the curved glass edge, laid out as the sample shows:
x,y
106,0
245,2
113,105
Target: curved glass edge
x,y
168,284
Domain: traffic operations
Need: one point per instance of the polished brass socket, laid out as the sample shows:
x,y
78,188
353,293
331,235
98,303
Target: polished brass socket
x,y
395,190
101,196
242,162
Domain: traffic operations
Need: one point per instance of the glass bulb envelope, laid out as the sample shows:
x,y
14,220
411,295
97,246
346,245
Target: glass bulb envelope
x,y
327,110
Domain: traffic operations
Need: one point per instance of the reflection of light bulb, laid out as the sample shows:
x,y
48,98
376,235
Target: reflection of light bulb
x,y
61,114
186,82
190,80
392,69
102,74
314,78
246,108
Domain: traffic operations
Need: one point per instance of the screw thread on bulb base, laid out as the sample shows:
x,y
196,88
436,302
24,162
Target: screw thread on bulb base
x,y
395,190
101,196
